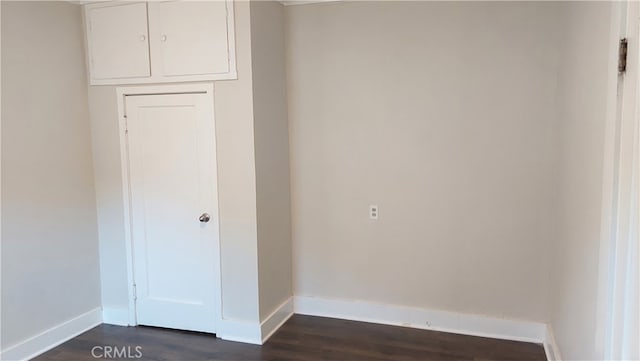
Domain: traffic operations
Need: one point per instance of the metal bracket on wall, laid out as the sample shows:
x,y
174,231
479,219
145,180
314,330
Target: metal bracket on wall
x,y
622,56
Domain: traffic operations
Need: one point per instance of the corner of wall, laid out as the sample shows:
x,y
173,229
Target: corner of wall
x,y
550,345
271,139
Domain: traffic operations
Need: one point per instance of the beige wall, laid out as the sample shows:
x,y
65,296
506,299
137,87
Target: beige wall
x,y
108,183
237,180
49,238
236,186
582,106
442,115
272,154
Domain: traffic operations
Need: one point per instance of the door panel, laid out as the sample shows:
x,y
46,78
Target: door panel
x,y
172,182
118,41
189,37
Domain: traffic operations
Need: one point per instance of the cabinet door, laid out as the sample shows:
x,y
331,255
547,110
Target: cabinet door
x,y
118,41
189,38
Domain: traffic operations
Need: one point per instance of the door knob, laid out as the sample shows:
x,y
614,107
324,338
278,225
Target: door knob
x,y
205,217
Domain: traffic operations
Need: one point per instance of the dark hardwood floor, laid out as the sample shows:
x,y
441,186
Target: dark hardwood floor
x,y
302,338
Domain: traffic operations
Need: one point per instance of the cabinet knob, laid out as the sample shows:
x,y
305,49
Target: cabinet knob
x,y
163,38
143,38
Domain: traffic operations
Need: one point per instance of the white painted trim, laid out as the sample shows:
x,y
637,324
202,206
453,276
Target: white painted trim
x,y
253,332
240,331
276,319
609,171
126,196
118,316
52,337
551,347
620,156
445,321
231,41
306,2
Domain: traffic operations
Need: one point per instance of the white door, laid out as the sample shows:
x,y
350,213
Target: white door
x,y
118,40
189,37
174,211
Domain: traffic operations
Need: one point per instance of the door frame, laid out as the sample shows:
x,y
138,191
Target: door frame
x,y
122,92
620,153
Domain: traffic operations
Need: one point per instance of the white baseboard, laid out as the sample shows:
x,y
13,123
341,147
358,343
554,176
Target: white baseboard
x,y
277,318
115,316
253,332
466,324
240,331
551,347
52,337
259,333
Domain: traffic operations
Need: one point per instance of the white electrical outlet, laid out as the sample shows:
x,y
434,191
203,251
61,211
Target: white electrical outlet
x,y
373,211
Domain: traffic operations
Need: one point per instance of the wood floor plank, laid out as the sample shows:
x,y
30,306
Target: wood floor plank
x,y
301,338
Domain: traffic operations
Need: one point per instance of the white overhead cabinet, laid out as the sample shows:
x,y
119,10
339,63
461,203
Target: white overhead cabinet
x,y
118,49
192,37
157,42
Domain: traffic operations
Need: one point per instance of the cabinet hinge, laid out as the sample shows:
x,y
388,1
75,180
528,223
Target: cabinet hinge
x,y
622,56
